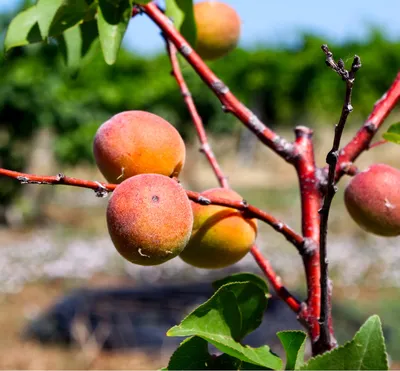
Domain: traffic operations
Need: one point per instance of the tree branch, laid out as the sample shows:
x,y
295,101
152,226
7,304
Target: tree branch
x,y
326,340
361,141
230,103
310,204
102,189
197,121
262,262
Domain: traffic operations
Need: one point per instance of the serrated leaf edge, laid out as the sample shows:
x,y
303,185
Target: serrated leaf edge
x,y
347,344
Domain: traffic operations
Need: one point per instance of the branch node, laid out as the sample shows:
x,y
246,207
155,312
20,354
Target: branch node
x,y
225,109
255,123
219,87
370,127
203,200
332,157
301,131
23,179
185,49
309,246
102,191
60,177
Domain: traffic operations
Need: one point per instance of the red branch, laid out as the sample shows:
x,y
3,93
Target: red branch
x,y
275,280
230,103
377,143
362,139
102,189
262,262
197,121
311,199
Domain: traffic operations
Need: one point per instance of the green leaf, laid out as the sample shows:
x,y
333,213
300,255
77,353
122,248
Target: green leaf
x,y
294,343
23,29
113,18
181,12
393,133
365,352
71,47
142,2
69,14
192,354
227,362
76,42
46,10
225,318
242,277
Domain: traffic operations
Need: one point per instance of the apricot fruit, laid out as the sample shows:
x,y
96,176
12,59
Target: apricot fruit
x,y
221,235
138,142
149,219
372,198
218,29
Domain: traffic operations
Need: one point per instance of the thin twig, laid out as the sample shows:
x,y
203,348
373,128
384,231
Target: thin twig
x,y
197,121
102,189
377,143
262,262
325,340
275,280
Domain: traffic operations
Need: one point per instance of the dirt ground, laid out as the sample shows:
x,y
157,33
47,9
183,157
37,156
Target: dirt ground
x,y
15,353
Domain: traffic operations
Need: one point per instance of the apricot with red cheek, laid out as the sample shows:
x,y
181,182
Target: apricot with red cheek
x,y
149,219
221,235
218,29
138,142
372,198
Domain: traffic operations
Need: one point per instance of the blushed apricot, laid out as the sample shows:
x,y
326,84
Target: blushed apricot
x,y
138,142
221,236
149,219
372,198
218,29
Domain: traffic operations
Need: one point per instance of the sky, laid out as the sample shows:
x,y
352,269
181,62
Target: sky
x,y
281,22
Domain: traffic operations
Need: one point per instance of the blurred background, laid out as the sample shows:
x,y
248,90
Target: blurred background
x,y
54,242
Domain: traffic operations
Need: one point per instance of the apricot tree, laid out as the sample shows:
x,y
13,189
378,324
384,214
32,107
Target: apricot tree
x,y
150,219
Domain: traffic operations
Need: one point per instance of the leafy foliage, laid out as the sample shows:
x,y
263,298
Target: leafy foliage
x,y
231,313
365,352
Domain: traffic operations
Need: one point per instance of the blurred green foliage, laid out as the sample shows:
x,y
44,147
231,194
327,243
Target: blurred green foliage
x,y
287,87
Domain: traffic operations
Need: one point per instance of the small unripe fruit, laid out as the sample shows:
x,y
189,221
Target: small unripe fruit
x,y
372,198
138,142
221,236
149,219
218,29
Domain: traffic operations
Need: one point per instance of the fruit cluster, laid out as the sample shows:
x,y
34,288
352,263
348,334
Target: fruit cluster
x,y
149,216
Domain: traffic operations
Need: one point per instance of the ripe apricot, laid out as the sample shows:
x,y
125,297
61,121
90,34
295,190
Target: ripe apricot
x,y
149,219
138,142
221,236
373,200
218,29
